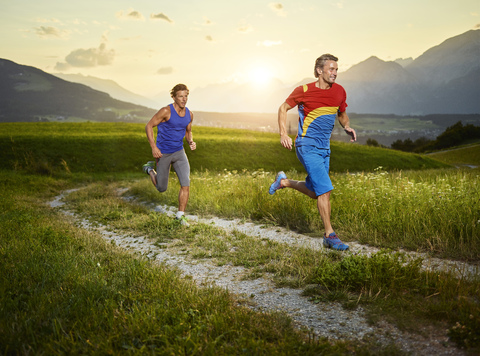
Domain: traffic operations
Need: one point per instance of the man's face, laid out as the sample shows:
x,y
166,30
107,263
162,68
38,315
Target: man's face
x,y
181,98
329,72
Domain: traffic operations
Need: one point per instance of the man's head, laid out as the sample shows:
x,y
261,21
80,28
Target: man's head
x,y
326,68
321,61
179,94
177,88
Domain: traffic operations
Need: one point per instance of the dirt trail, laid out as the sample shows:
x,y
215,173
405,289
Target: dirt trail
x,y
323,319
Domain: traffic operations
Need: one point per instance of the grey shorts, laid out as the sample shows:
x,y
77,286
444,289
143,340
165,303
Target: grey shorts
x,y
180,164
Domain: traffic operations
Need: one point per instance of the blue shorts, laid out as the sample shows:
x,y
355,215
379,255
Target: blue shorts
x,y
316,162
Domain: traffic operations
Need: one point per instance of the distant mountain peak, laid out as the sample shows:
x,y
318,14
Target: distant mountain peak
x,y
453,58
109,86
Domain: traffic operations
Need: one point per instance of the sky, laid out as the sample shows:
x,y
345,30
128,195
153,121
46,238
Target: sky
x,y
149,46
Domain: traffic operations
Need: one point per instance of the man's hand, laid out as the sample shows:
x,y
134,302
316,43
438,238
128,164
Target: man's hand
x,y
286,142
192,145
156,152
351,132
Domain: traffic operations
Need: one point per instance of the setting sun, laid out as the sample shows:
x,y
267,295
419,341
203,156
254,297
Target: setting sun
x,y
259,76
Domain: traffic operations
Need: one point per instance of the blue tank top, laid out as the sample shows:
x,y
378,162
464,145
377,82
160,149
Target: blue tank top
x,y
171,133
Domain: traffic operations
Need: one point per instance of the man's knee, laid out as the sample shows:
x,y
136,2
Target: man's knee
x,y
324,196
162,188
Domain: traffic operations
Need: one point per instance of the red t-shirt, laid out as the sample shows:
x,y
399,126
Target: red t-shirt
x,y
317,110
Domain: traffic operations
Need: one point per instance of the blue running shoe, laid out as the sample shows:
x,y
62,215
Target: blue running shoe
x,y
332,241
276,185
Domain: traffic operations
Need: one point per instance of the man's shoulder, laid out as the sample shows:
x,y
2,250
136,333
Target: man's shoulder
x,y
164,113
307,86
338,87
166,109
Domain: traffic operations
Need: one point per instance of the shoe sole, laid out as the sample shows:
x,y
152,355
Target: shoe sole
x,y
284,176
327,245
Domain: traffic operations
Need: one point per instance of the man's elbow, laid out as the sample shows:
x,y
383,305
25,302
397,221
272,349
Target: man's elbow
x,y
283,108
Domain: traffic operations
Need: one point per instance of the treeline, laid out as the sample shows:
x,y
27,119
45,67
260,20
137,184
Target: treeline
x,y
454,135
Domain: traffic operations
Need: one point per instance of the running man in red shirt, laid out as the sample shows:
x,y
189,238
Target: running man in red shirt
x,y
319,104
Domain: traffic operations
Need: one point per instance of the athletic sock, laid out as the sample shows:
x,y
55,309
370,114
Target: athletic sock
x,y
179,214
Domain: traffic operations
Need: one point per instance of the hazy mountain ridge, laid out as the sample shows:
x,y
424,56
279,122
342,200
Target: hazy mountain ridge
x,y
453,58
108,86
30,94
443,80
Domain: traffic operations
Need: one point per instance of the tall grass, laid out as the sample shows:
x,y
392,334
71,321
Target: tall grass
x,y
433,211
436,211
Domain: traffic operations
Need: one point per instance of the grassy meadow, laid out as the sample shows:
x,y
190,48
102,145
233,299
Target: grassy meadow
x,y
65,291
462,156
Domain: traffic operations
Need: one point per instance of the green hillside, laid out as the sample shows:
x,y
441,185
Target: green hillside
x,y
460,156
121,147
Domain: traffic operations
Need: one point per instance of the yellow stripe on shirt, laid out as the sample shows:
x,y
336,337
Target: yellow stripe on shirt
x,y
326,110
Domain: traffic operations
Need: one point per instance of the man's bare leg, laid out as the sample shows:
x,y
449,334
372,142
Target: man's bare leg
x,y
323,201
153,176
183,198
324,208
297,185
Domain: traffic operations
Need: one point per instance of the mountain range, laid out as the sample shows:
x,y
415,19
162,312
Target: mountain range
x,y
30,94
108,86
443,80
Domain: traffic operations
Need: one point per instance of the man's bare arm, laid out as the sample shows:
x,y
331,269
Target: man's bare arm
x,y
162,115
189,134
285,140
344,120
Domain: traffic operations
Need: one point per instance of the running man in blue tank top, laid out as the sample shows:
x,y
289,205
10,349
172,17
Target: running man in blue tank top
x,y
173,122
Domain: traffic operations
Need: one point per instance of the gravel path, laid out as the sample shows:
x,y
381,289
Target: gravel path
x,y
324,319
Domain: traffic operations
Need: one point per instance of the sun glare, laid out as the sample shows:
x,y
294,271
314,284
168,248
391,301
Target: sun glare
x,y
260,76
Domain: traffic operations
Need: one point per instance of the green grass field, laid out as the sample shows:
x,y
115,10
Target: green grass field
x,y
65,291
462,156
119,147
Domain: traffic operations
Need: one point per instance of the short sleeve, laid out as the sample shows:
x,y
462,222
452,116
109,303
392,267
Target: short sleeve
x,y
296,97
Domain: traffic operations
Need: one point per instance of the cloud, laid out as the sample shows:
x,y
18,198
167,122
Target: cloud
x,y
245,29
165,71
88,58
268,43
49,31
130,14
161,16
207,22
277,8
133,38
54,20
62,66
